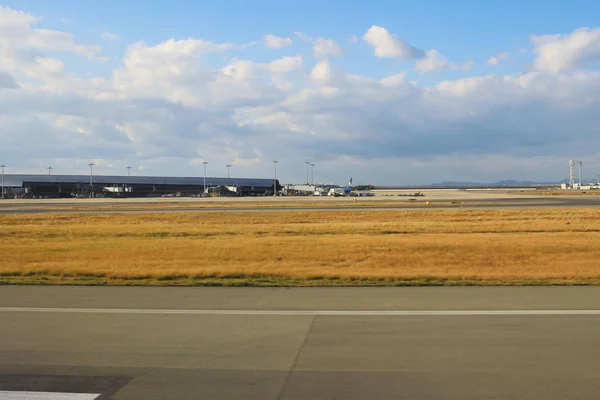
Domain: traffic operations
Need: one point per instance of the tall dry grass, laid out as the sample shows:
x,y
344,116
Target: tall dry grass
x,y
505,245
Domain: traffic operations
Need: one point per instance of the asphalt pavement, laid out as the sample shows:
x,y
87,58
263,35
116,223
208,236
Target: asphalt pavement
x,y
300,343
134,206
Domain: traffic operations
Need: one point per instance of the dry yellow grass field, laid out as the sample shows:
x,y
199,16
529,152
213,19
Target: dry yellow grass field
x,y
425,246
553,192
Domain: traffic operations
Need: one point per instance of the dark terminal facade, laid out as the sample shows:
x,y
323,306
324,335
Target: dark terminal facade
x,y
53,186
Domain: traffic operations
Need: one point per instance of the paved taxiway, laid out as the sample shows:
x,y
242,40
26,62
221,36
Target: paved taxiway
x,y
302,343
135,206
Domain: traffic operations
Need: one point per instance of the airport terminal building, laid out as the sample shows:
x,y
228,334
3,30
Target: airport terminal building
x,y
54,186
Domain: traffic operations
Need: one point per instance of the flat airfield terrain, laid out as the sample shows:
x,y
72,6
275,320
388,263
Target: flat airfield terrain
x,y
357,247
385,199
128,343
255,343
459,238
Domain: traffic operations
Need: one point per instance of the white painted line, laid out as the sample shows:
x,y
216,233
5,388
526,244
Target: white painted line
x,y
299,312
12,395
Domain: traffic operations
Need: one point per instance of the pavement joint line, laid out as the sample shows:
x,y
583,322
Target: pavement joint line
x,y
389,313
288,377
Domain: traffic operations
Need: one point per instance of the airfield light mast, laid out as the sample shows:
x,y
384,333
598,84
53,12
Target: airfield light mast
x,y
307,165
2,166
275,178
571,174
91,179
205,162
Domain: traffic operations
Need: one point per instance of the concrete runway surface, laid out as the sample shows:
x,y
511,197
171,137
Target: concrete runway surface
x,y
300,343
442,200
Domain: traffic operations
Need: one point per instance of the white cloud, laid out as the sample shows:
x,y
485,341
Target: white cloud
x,y
322,73
186,47
495,60
323,48
12,20
71,123
176,71
240,70
303,36
286,64
248,44
466,66
354,39
22,49
394,80
435,62
16,31
556,53
110,36
49,66
390,46
275,42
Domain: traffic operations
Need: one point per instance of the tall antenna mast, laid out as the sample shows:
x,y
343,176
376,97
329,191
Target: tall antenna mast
x,y
580,173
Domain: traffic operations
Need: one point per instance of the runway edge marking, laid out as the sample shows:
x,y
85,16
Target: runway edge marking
x,y
30,395
296,312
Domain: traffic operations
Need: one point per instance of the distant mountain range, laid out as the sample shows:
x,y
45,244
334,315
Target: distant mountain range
x,y
498,183
462,184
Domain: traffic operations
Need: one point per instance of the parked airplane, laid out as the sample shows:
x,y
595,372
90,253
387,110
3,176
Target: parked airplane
x,y
338,192
348,189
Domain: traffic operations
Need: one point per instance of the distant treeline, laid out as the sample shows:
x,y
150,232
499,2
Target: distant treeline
x,y
364,187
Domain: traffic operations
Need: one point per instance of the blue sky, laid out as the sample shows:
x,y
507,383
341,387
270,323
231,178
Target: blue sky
x,y
453,114
462,30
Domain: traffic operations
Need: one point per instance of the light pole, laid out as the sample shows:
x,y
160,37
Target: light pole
x,y
275,178
307,165
228,167
49,169
2,166
312,174
128,171
91,179
205,162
